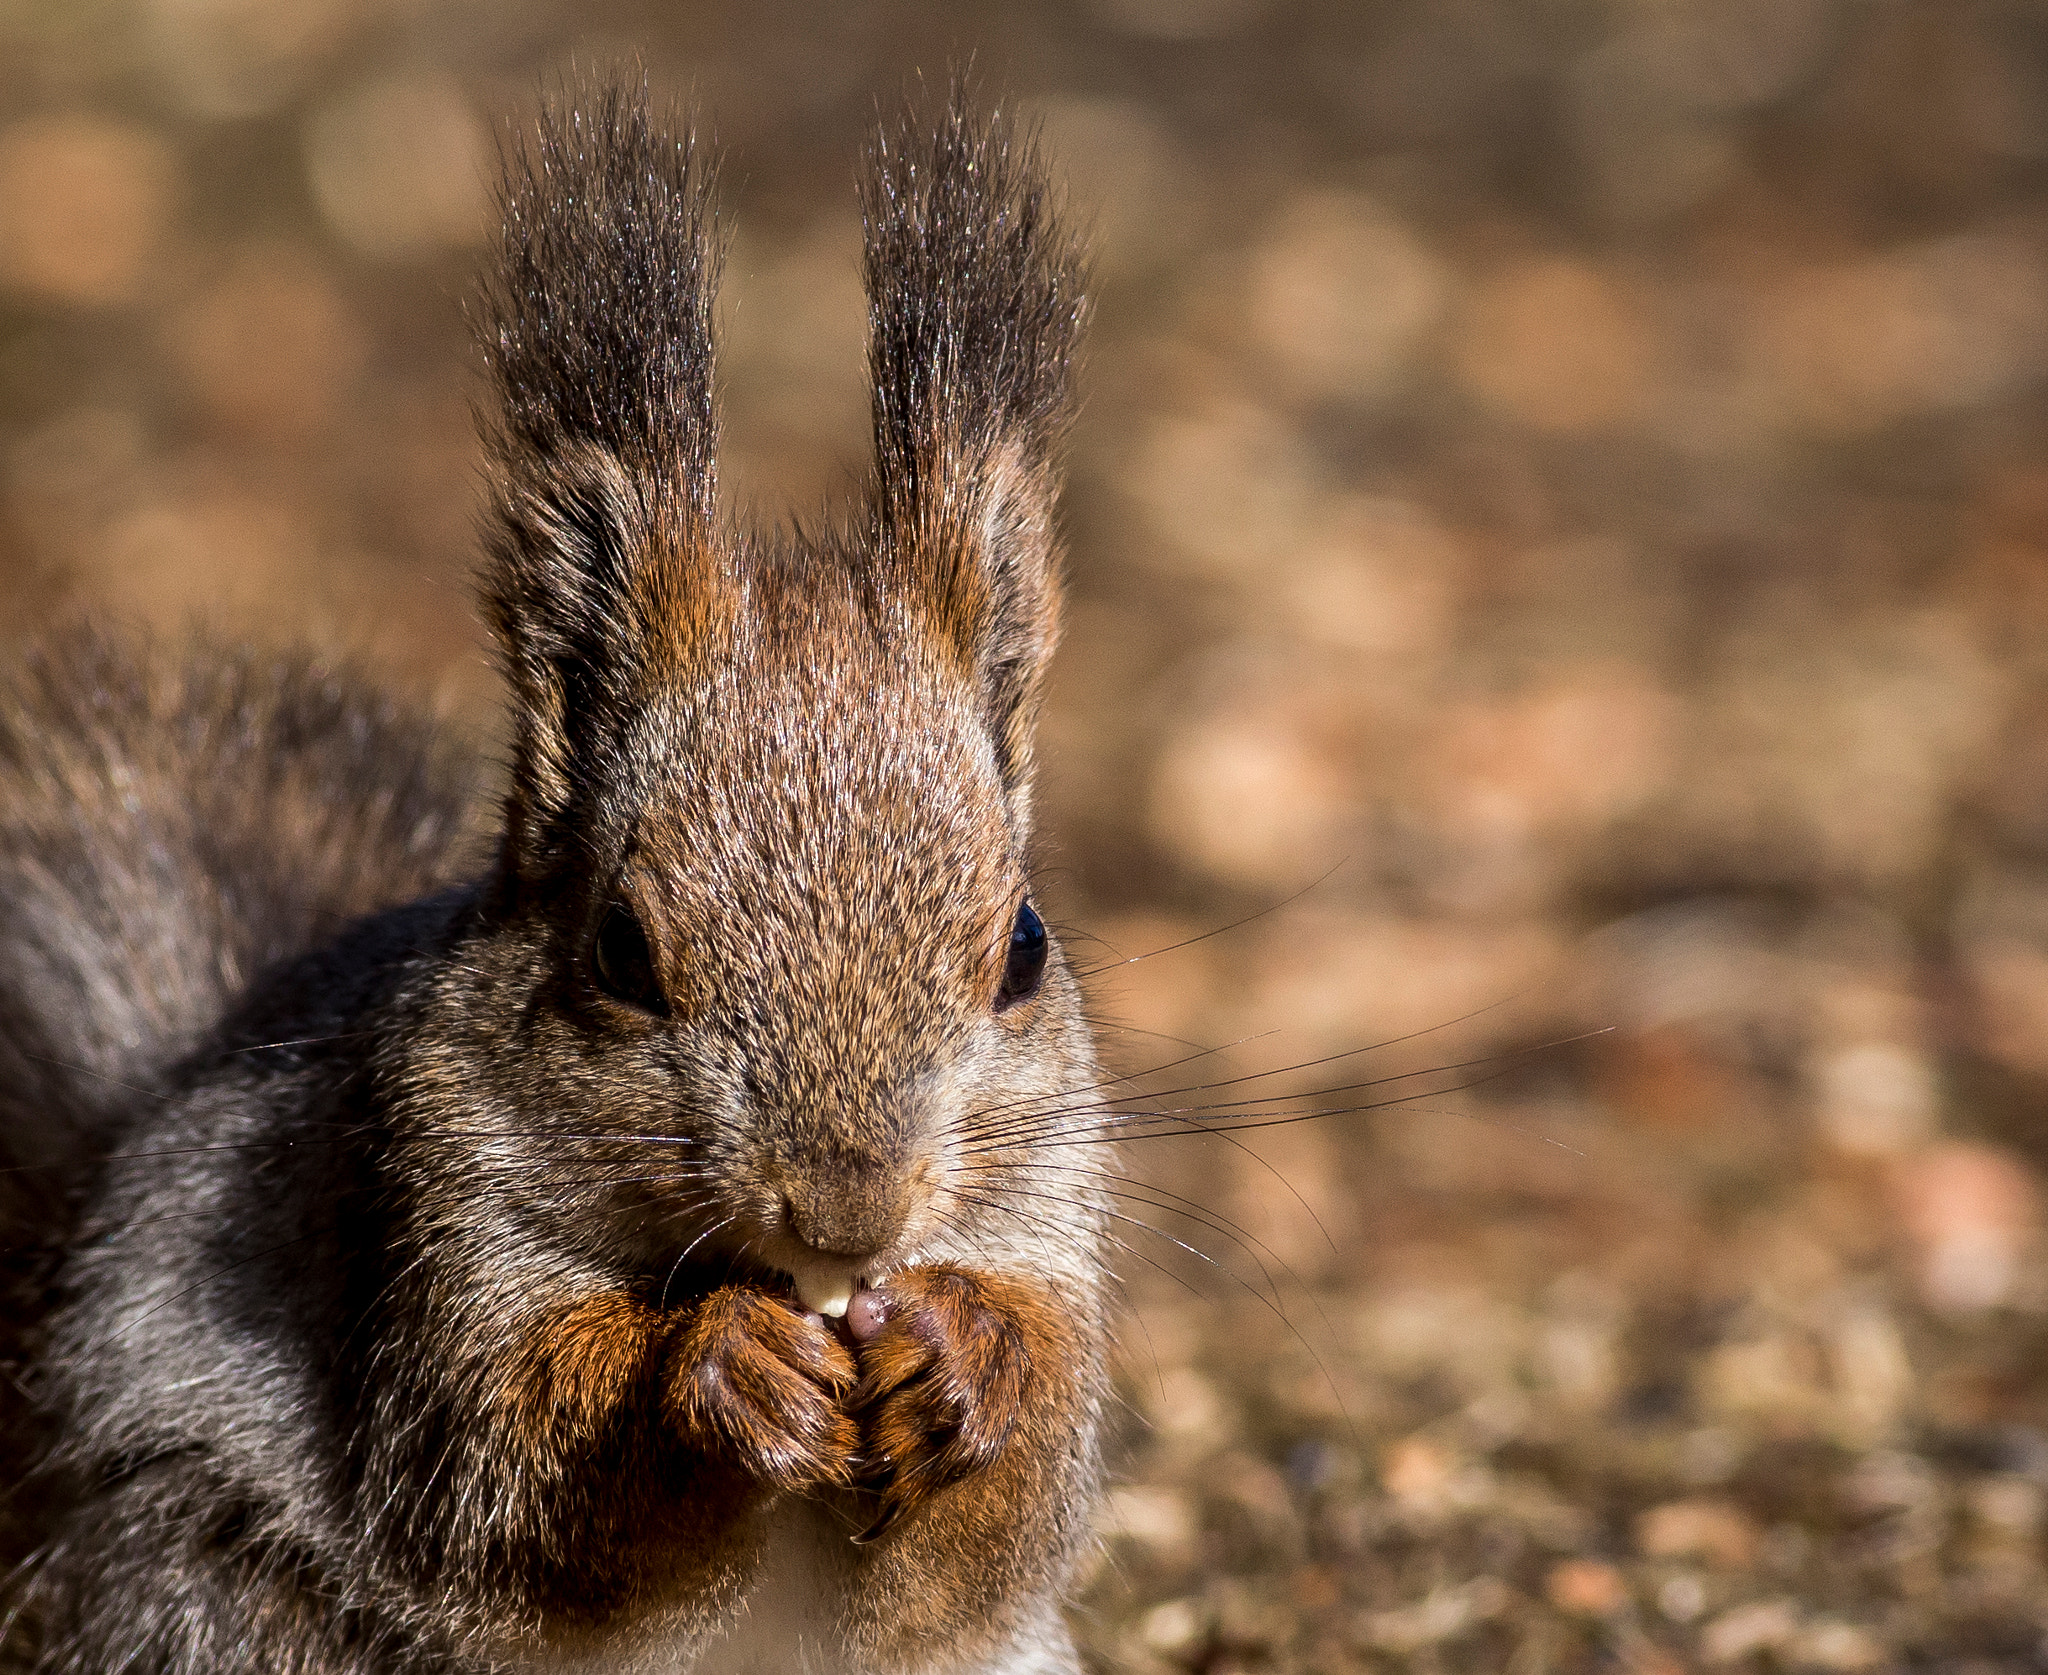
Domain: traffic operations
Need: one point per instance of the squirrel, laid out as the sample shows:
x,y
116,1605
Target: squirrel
x,y
627,1234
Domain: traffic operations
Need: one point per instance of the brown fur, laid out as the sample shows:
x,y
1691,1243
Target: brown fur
x,y
947,1381
752,1380
966,1398
567,1382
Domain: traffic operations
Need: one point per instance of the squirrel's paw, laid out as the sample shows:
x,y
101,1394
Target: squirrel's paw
x,y
753,1381
943,1381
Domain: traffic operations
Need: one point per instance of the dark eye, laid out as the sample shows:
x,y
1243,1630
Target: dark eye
x,y
622,962
1026,964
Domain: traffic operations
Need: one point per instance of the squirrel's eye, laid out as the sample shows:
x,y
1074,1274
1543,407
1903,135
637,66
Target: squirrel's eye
x,y
623,963
1026,964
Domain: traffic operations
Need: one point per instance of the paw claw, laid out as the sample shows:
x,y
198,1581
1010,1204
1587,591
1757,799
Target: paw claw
x,y
942,1386
880,1527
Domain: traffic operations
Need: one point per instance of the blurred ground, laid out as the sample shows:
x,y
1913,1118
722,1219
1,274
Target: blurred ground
x,y
1567,480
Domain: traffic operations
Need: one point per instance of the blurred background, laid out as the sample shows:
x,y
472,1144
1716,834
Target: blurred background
x,y
1559,540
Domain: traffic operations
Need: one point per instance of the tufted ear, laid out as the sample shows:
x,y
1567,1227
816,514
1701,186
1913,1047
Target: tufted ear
x,y
976,303
602,571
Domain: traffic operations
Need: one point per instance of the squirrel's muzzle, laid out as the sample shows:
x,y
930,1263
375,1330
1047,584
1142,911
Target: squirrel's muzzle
x,y
850,1213
843,1224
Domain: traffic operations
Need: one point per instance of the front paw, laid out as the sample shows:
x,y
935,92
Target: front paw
x,y
944,1380
752,1381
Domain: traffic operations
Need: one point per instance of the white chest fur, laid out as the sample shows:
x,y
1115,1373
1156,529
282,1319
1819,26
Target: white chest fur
x,y
787,1624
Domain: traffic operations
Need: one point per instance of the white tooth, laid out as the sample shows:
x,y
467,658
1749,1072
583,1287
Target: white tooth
x,y
827,1294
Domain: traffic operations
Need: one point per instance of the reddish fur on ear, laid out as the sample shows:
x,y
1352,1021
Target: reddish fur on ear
x,y
604,572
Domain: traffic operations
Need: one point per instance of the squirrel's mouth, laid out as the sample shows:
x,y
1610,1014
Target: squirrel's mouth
x,y
829,1273
824,1286
826,1282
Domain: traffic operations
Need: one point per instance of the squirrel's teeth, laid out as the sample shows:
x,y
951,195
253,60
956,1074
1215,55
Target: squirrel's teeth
x,y
827,1293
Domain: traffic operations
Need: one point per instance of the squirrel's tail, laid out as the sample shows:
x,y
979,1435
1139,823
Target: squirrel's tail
x,y
167,830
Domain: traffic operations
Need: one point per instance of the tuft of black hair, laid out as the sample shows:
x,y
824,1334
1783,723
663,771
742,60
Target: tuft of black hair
x,y
597,326
976,295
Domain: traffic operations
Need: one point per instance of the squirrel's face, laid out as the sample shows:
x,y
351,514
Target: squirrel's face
x,y
759,978
787,965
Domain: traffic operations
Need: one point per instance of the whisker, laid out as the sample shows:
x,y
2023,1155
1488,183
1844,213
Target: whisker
x,y
1173,1203
968,1123
271,1250
1309,1064
96,1075
507,1172
1220,930
946,1219
1039,1234
1107,1237
1098,1023
1267,1165
677,1266
1132,1221
1315,1063
1270,1304
381,1136
301,1041
1029,1128
1203,1215
1241,1126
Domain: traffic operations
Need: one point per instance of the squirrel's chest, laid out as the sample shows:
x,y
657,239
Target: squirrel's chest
x,y
789,1621
786,1623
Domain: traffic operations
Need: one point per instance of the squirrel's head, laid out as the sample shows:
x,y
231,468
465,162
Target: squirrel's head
x,y
759,972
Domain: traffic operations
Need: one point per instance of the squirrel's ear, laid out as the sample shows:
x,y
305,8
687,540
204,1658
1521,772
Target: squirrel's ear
x,y
602,567
976,302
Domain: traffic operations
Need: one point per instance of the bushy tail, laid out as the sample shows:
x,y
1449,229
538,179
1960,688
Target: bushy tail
x,y
168,830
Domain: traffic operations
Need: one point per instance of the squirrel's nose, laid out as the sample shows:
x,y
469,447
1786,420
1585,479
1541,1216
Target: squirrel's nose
x,y
851,1219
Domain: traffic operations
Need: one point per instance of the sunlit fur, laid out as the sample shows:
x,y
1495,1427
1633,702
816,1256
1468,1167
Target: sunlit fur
x,y
430,1307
